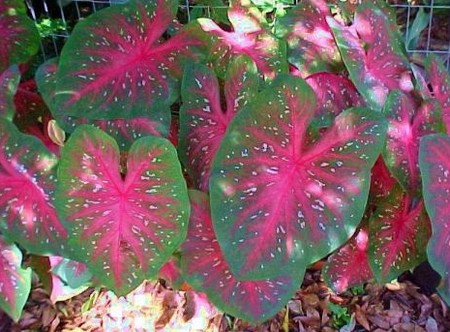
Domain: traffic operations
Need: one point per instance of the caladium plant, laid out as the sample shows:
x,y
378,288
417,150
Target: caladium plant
x,y
382,183
335,94
206,269
399,230
32,115
69,278
391,241
9,81
439,84
27,185
311,44
72,273
373,54
116,64
249,34
434,159
204,117
123,221
15,282
349,265
290,169
277,200
19,37
408,122
124,131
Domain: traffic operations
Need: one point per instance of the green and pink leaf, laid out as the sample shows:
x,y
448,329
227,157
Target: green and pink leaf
x,y
434,161
27,186
311,44
205,268
349,265
276,199
335,94
124,222
115,64
408,121
19,38
382,181
32,114
124,131
249,35
69,278
439,81
15,282
204,117
72,273
399,230
373,54
9,81
171,273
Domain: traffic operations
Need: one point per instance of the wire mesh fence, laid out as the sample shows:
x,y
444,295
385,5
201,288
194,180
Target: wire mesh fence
x,y
425,24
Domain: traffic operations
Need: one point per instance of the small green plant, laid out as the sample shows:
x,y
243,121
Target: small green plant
x,y
50,26
357,290
340,315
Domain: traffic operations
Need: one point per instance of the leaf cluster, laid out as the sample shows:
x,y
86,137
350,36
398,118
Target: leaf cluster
x,y
218,151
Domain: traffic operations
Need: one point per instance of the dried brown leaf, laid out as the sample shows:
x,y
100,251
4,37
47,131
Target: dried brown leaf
x,y
395,286
431,325
379,321
325,316
360,315
295,306
310,300
48,315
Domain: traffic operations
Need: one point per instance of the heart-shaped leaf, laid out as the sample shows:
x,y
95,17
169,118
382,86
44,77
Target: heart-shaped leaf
x,y
399,230
373,53
277,201
249,35
27,185
204,118
116,64
15,282
407,123
124,131
45,77
439,80
334,94
123,227
9,81
434,160
19,38
311,45
382,181
205,268
349,266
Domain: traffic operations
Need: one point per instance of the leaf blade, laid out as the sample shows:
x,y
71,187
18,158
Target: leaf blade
x,y
144,214
15,281
27,186
205,268
268,184
435,168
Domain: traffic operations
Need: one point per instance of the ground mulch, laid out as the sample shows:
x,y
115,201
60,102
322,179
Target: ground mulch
x,y
398,307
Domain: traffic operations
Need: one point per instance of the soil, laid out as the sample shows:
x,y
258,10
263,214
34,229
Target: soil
x,y
400,306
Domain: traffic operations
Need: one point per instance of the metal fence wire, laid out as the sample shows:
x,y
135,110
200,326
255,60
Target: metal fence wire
x,y
425,24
